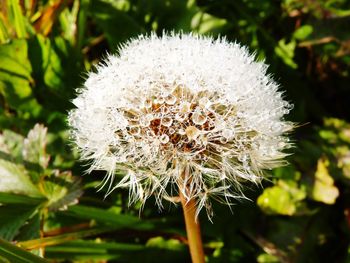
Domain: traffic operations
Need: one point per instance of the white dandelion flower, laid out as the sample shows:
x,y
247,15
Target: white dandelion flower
x,y
181,112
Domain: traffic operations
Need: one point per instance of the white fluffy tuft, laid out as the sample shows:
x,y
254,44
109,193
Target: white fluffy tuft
x,y
181,112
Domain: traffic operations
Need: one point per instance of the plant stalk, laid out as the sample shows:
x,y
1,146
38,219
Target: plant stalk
x,y
193,230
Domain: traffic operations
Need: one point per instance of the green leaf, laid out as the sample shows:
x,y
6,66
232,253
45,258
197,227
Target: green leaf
x,y
14,59
34,146
12,143
286,52
14,178
204,23
281,199
17,17
31,230
56,70
61,190
16,254
116,25
85,250
3,30
160,242
4,260
81,22
6,198
123,252
267,258
324,189
179,15
109,217
15,77
338,131
13,217
63,238
303,32
68,21
31,151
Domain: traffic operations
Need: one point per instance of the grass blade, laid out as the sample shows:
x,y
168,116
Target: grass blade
x,y
109,217
18,18
3,31
50,241
16,254
8,198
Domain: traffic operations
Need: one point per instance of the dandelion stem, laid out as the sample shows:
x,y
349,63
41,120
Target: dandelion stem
x,y
193,230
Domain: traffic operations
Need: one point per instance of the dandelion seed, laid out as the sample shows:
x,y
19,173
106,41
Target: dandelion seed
x,y
181,112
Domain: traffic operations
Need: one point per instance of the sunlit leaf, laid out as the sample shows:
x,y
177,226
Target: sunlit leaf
x,y
15,179
205,23
286,52
15,77
303,32
17,17
160,242
63,238
267,258
11,143
68,20
34,146
48,16
61,190
281,199
324,189
3,30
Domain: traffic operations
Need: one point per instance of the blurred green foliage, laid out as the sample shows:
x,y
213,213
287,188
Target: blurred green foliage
x,y
302,214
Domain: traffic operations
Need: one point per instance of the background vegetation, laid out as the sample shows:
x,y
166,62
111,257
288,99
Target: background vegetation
x,y
47,207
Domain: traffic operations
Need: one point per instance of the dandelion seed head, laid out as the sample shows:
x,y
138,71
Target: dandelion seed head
x,y
181,112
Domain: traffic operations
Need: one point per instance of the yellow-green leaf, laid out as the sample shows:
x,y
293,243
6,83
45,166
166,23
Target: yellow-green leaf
x,y
283,199
324,189
17,17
